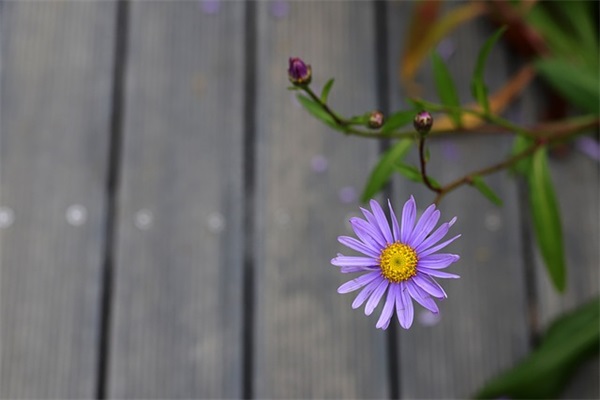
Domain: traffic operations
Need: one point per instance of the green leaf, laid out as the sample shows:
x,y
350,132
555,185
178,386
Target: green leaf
x,y
520,144
397,120
581,16
445,87
326,90
478,87
485,190
571,340
577,85
569,30
318,112
414,174
546,219
384,168
359,119
555,36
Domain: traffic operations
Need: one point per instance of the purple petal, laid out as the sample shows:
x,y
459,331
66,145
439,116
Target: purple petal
x,y
425,225
432,250
366,292
434,237
384,327
404,307
358,282
349,261
429,285
358,246
367,233
349,270
388,309
409,213
382,221
395,226
374,224
437,261
421,297
438,274
376,296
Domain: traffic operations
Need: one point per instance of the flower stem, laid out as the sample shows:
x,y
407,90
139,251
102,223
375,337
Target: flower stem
x,y
325,107
562,130
487,171
423,164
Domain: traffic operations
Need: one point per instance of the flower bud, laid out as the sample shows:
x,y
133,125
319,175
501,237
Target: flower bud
x,y
423,122
376,119
298,72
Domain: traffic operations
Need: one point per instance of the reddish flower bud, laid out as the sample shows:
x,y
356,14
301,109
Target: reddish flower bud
x,y
298,72
376,119
423,122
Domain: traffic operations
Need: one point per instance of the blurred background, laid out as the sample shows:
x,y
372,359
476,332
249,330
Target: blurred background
x,y
168,211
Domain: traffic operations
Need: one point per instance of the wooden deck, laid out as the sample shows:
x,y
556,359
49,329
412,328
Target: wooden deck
x,y
163,234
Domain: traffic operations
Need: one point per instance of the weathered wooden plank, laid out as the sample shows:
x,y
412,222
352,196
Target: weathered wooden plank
x,y
482,328
309,342
177,322
57,62
576,183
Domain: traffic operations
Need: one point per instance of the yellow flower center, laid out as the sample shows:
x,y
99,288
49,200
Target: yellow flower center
x,y
398,262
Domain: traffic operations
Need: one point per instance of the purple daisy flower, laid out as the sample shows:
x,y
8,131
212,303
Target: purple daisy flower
x,y
400,260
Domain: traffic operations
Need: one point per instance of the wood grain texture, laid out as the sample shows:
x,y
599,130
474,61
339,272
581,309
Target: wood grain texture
x,y
57,61
576,181
177,318
309,342
482,329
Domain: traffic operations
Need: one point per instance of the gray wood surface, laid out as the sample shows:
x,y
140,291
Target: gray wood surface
x,y
309,342
57,62
482,326
576,182
177,305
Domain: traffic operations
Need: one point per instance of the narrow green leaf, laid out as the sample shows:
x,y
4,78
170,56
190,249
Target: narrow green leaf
x,y
520,144
326,90
582,18
546,219
569,30
445,87
485,190
359,119
480,94
555,36
293,88
384,168
569,342
478,87
577,85
397,120
317,111
414,174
